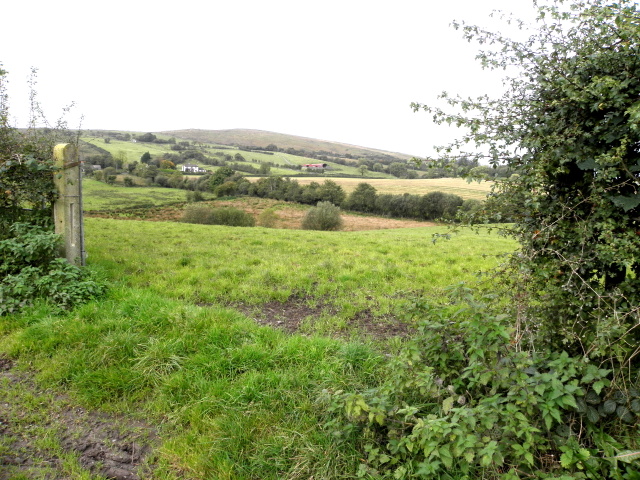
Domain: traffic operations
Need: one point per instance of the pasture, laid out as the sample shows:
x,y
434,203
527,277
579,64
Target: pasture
x,y
101,196
216,345
418,186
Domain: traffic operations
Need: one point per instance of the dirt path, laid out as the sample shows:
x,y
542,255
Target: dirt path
x,y
44,436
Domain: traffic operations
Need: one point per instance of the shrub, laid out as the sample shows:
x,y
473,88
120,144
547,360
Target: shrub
x,y
268,218
228,188
31,270
194,196
229,216
461,400
324,216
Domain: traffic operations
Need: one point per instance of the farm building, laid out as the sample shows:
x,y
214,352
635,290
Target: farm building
x,y
191,168
315,166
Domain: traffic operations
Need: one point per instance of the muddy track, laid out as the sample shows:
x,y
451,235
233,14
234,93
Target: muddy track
x,y
53,439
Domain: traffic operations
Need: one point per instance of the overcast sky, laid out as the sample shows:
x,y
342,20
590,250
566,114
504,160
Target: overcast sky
x,y
340,70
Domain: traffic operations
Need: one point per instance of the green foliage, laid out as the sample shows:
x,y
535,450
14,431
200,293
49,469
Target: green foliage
x,y
30,270
268,218
461,400
26,167
362,199
324,216
229,216
194,196
568,126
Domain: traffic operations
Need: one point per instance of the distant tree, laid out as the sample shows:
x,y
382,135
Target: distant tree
x,y
145,158
120,159
363,169
220,176
362,199
265,168
324,216
147,137
151,173
167,164
330,191
132,166
398,169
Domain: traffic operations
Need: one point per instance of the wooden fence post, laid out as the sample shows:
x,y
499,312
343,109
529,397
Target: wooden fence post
x,y
67,210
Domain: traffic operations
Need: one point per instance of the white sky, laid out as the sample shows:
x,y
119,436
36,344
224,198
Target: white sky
x,y
340,70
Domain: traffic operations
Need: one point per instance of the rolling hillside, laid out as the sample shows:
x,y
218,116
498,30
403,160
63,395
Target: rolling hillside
x,y
260,139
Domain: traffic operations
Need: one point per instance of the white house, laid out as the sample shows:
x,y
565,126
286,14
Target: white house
x,y
191,168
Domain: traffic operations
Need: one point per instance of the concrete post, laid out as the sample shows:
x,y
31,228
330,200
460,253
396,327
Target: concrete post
x,y
67,210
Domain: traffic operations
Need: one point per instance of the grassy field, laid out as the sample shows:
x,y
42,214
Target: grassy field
x,y
222,340
458,186
344,275
101,196
133,150
261,138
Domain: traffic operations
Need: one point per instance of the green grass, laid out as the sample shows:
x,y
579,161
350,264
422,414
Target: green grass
x,y
235,400
350,272
134,150
101,196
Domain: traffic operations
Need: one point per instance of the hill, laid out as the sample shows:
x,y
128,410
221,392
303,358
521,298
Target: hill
x,y
261,139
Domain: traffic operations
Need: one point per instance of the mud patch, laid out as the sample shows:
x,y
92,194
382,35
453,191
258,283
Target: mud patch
x,y
289,315
114,446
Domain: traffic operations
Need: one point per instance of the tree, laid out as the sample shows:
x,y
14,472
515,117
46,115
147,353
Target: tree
x,y
120,159
145,158
363,169
220,176
398,169
265,168
330,191
569,126
362,199
147,137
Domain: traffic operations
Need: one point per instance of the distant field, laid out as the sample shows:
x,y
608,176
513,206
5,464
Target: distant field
x,y
100,196
260,138
134,150
421,186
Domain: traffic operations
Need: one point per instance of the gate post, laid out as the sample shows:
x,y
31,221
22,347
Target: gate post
x,y
67,210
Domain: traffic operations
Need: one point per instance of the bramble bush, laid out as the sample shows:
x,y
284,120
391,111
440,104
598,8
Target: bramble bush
x,y
462,400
